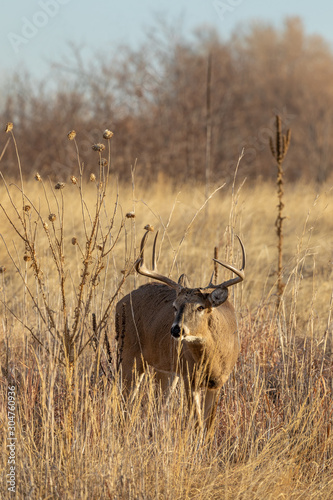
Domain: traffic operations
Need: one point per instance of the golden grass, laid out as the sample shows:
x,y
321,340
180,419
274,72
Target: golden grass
x,y
273,432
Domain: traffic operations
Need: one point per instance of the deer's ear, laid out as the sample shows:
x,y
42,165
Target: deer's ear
x,y
218,296
184,281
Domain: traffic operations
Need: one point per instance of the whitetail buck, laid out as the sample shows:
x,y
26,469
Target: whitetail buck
x,y
177,330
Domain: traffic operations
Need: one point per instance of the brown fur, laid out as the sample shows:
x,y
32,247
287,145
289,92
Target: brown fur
x,y
205,352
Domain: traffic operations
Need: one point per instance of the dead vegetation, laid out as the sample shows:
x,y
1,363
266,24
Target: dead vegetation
x,y
76,437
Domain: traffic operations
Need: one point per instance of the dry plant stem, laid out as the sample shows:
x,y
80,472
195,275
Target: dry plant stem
x,y
216,256
102,324
91,241
29,245
80,187
60,260
19,166
22,221
133,225
56,252
328,341
165,226
191,223
4,149
279,151
208,124
232,213
96,273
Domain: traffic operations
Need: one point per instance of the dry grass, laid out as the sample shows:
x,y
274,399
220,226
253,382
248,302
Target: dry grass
x,y
273,435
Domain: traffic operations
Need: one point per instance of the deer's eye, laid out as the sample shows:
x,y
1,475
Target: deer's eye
x,y
200,308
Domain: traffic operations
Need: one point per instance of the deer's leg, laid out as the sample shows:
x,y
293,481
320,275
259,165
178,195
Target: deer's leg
x,y
131,375
167,383
163,381
196,403
210,404
193,396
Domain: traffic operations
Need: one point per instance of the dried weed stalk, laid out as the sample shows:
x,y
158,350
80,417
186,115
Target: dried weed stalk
x,y
279,151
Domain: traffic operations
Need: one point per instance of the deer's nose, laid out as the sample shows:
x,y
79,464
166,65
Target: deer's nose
x,y
175,331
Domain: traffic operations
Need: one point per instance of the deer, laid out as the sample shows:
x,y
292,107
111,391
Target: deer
x,y
180,331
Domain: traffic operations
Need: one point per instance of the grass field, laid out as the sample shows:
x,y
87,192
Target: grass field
x,y
75,437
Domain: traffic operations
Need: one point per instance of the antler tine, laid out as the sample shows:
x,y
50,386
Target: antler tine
x,y
153,263
139,265
211,284
152,273
239,272
142,244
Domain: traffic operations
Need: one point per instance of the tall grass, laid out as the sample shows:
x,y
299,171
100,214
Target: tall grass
x,y
273,432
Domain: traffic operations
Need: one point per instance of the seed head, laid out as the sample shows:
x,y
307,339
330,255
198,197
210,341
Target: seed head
x,y
130,215
99,247
38,177
52,217
107,134
26,257
102,162
148,227
71,135
9,127
59,185
98,147
27,208
74,240
45,226
73,179
2,269
92,177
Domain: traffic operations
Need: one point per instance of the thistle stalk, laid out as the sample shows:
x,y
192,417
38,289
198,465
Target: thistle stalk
x,y
279,151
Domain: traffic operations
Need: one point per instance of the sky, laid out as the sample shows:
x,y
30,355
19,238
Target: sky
x,y
35,33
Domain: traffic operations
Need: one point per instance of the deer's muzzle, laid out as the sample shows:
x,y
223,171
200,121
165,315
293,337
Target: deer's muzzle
x,y
175,331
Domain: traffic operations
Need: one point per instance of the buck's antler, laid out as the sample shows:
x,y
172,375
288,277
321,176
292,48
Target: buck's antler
x,y
152,273
239,272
